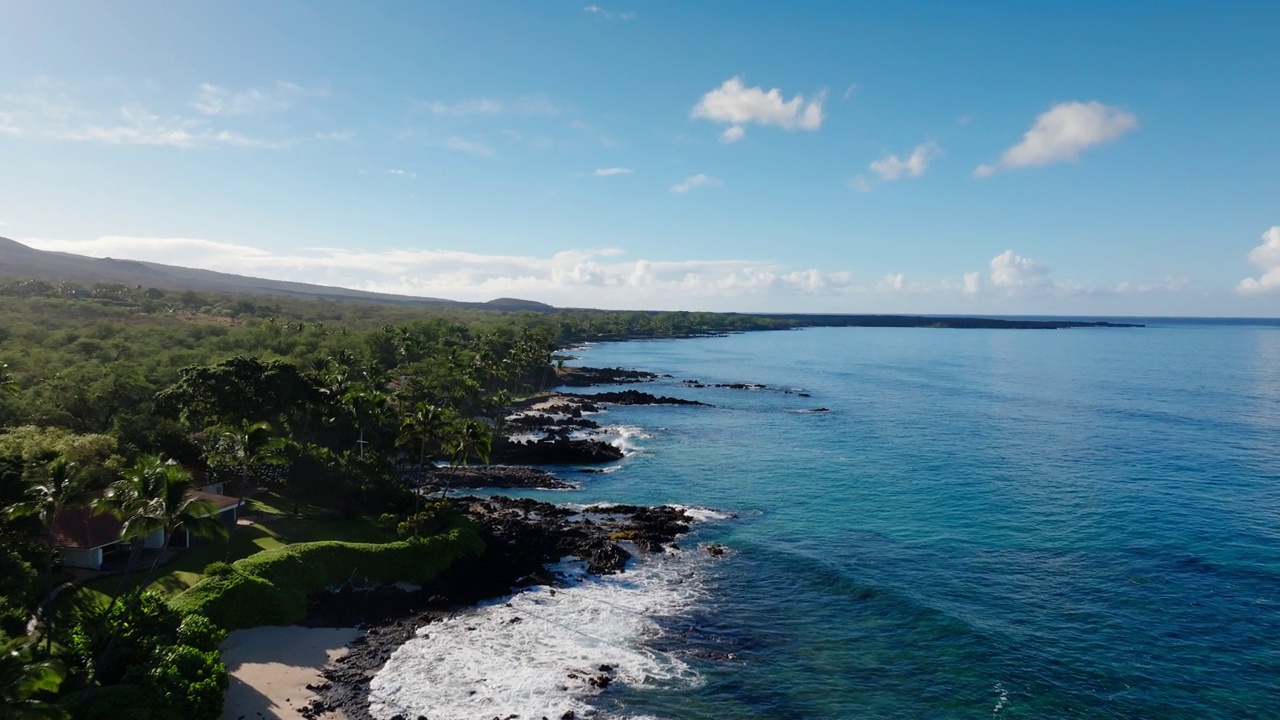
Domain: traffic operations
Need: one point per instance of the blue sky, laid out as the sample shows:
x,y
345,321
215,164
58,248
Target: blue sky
x,y
994,157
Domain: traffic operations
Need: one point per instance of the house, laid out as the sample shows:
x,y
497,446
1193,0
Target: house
x,y
86,540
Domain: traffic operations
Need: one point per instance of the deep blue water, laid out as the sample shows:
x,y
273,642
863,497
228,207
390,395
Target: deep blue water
x,y
1025,524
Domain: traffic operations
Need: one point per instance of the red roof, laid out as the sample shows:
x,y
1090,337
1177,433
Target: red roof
x,y
80,528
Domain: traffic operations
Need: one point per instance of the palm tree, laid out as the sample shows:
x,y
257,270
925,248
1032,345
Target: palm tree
x,y
21,679
135,489
156,495
246,448
62,489
365,405
470,437
423,427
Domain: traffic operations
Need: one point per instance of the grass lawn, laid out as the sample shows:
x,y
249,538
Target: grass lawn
x,y
273,526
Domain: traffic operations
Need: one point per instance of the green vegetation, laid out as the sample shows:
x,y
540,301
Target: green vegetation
x,y
316,414
272,587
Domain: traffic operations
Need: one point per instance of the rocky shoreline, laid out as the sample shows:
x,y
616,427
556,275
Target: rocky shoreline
x,y
521,538
548,430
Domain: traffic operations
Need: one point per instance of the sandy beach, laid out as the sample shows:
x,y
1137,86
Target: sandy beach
x,y
270,668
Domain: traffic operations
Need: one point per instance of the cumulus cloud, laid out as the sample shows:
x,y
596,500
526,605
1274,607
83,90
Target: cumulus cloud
x,y
609,172
733,134
737,105
892,167
1266,257
215,100
692,182
606,277
600,277
1061,133
1009,270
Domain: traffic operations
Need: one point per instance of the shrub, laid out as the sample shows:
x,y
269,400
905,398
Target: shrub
x,y
272,587
139,628
199,632
217,568
186,683
433,518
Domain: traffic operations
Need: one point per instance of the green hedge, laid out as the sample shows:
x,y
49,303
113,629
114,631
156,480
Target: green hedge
x,y
272,587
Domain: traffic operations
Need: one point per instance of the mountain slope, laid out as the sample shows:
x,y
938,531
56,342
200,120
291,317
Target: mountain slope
x,y
18,261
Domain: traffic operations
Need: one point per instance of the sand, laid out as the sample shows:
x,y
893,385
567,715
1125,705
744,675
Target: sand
x,y
271,666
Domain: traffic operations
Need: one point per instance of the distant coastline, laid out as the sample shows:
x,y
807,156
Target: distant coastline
x,y
946,322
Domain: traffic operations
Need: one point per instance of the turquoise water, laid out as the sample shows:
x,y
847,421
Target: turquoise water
x,y
1025,524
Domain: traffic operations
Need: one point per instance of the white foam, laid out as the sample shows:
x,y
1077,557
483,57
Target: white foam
x,y
701,514
624,437
519,655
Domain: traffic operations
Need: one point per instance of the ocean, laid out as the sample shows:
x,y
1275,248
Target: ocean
x,y
982,523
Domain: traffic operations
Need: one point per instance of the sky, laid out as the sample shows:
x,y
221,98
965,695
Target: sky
x,y
1066,158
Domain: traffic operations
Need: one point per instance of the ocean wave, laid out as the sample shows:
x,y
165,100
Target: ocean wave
x,y
546,651
702,514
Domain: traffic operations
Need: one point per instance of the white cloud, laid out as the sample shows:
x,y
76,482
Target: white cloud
x,y
54,115
336,136
478,149
600,277
738,105
1267,257
892,167
861,184
214,100
733,134
893,282
692,182
609,172
403,173
525,105
462,108
606,278
603,14
1009,270
848,92
1061,133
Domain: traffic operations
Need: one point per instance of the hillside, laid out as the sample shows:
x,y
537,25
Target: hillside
x,y
18,261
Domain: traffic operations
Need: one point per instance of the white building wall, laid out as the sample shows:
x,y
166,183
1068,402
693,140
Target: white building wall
x,y
90,559
154,541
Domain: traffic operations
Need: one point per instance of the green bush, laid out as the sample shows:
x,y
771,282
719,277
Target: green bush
x,y
138,627
272,587
186,683
199,632
218,568
433,518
